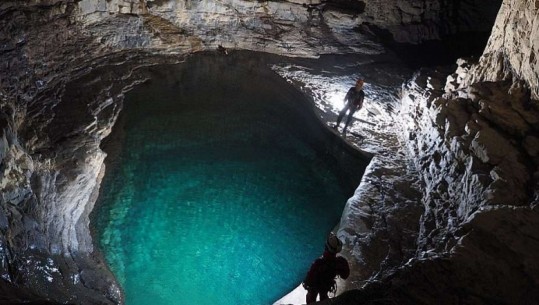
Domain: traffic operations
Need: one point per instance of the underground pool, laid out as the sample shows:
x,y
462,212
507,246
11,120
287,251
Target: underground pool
x,y
221,185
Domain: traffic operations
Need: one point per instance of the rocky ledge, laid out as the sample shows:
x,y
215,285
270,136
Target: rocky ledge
x,y
469,138
472,137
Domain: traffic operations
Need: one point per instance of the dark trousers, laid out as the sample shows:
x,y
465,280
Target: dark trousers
x,y
313,293
353,109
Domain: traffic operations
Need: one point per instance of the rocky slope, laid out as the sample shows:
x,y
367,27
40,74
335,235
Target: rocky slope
x,y
66,64
473,139
476,137
380,222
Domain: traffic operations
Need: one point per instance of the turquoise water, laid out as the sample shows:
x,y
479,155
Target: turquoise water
x,y
219,190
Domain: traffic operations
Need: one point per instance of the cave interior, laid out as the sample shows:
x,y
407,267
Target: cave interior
x,y
443,211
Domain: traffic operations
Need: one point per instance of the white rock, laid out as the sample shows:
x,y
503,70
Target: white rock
x,y
491,147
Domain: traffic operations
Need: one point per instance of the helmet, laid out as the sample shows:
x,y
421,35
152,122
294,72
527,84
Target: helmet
x,y
333,243
360,82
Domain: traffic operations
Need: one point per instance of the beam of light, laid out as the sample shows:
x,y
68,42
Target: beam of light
x,y
336,99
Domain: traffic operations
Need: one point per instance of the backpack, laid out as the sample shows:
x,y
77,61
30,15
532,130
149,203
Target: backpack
x,y
321,275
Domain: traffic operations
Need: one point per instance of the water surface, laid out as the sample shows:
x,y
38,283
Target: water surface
x,y
221,187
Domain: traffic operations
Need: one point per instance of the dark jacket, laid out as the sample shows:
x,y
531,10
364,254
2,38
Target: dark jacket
x,y
321,275
355,97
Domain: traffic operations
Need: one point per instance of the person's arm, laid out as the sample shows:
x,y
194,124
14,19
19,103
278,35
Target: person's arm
x,y
343,270
348,95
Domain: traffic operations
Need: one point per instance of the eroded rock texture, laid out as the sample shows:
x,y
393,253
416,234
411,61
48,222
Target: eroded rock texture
x,y
474,142
65,66
475,137
420,20
511,53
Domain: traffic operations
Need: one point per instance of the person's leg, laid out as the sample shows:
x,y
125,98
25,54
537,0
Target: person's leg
x,y
341,114
311,296
349,119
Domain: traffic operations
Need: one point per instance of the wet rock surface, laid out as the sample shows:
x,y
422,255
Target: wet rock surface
x,y
56,158
468,135
380,222
469,138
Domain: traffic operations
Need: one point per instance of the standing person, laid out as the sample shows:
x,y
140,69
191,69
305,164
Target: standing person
x,y
353,102
320,279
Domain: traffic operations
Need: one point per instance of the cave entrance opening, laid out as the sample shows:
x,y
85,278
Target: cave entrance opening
x,y
221,185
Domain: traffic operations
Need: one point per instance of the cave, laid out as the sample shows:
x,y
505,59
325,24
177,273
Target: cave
x,y
440,168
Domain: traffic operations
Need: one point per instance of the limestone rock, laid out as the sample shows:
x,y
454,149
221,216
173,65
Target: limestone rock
x,y
513,46
418,20
486,264
486,153
508,187
489,146
454,81
67,64
498,105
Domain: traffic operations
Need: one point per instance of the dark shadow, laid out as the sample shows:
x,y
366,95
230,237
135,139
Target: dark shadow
x,y
463,32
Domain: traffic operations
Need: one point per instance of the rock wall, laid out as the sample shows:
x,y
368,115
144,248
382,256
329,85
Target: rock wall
x,y
61,89
472,138
280,27
65,65
475,137
300,27
421,20
474,141
511,53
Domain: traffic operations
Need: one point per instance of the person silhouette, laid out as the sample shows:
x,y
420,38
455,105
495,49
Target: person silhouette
x,y
320,279
353,102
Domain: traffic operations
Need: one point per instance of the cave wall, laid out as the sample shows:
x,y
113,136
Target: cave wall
x,y
299,27
280,27
61,91
422,20
65,66
473,137
511,52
